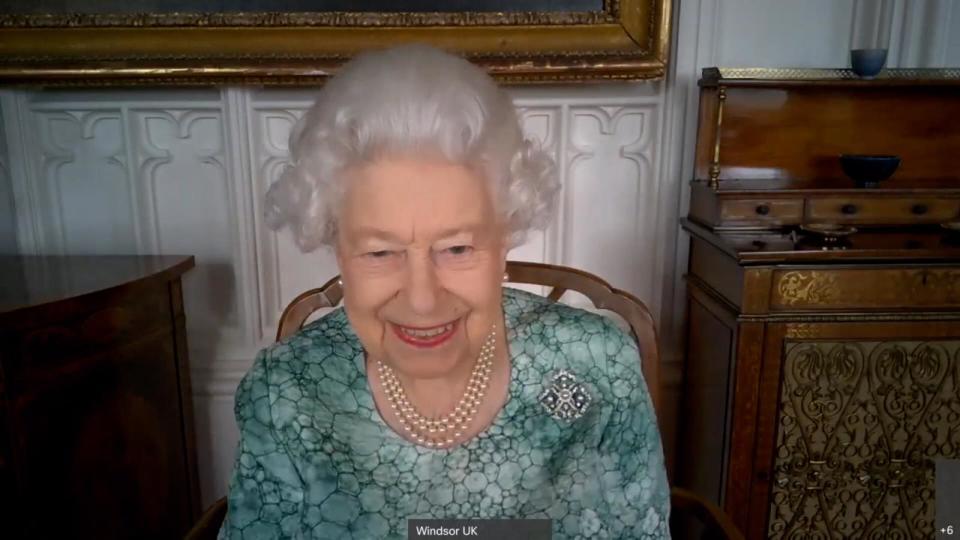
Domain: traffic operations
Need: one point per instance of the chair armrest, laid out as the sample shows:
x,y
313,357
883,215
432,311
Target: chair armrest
x,y
207,527
710,514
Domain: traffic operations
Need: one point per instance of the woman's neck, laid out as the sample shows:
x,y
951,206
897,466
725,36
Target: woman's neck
x,y
436,396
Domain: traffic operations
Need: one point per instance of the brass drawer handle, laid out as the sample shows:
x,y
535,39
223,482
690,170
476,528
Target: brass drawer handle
x,y
849,209
919,209
763,209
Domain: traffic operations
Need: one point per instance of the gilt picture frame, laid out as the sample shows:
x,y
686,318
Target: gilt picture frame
x,y
146,42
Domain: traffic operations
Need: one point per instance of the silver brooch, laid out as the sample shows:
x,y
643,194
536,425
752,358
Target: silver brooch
x,y
565,398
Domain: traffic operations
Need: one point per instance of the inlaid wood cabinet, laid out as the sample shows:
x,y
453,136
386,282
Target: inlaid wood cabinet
x,y
817,398
822,374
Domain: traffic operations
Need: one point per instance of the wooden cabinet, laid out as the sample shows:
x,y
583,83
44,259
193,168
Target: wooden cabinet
x,y
822,372
817,395
96,439
852,417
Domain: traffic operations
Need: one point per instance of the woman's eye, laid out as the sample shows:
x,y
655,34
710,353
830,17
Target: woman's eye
x,y
459,250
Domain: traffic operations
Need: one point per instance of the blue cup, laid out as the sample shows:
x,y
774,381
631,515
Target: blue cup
x,y
867,62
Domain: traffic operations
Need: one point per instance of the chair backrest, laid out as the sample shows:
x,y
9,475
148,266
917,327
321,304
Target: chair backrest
x,y
560,278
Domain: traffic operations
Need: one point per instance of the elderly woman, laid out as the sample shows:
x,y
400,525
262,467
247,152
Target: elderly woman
x,y
435,392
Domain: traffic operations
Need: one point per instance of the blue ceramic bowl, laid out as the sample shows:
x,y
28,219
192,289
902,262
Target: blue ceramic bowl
x,y
868,170
867,62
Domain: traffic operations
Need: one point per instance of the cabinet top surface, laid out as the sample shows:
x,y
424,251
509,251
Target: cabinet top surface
x,y
27,281
895,245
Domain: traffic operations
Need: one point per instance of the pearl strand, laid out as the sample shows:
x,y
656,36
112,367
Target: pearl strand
x,y
443,431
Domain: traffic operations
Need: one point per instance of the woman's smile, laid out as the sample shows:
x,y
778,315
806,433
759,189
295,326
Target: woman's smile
x,y
426,337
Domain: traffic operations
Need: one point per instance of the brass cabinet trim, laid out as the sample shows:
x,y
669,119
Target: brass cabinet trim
x,y
716,75
857,288
714,181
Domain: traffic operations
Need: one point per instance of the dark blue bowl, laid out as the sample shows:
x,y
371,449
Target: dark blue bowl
x,y
867,63
868,170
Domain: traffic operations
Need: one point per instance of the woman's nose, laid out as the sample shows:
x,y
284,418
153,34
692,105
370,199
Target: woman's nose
x,y
423,287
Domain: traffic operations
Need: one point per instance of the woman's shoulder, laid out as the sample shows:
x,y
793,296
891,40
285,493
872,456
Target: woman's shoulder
x,y
323,349
312,373
588,341
532,313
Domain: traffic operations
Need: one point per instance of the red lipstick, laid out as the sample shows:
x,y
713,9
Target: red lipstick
x,y
426,337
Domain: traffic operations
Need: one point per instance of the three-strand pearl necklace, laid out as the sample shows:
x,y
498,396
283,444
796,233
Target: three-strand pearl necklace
x,y
441,432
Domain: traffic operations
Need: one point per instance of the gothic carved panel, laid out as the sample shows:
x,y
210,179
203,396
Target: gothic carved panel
x,y
541,124
284,271
611,173
83,181
181,168
859,427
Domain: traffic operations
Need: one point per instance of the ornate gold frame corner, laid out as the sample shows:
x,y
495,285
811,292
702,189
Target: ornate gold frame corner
x,y
628,40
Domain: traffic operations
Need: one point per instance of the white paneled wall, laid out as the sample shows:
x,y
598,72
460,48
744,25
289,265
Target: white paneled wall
x,y
184,171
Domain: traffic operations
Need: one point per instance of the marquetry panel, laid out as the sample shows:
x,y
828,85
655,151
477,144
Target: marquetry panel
x,y
860,424
865,288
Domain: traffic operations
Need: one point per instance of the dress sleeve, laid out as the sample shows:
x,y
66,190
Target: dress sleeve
x,y
634,477
265,498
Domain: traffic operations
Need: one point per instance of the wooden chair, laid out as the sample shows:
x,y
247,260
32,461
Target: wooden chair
x,y
561,279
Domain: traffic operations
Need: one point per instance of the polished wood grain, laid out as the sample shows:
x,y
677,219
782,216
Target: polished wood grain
x,y
95,398
756,295
761,212
744,412
707,117
34,281
796,133
703,410
732,210
709,263
861,209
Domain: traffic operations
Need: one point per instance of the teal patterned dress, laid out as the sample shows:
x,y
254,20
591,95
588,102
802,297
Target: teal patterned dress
x,y
316,460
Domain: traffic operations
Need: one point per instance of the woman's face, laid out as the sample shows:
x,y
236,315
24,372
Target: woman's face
x,y
422,257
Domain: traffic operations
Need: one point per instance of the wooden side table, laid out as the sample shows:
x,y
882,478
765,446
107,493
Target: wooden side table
x,y
96,416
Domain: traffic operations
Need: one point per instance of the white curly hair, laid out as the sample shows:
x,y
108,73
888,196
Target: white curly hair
x,y
410,100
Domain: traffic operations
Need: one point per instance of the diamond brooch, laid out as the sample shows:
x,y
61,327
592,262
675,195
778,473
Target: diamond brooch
x,y
565,398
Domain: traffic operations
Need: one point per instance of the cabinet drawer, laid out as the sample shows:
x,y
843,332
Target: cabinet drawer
x,y
882,211
856,288
761,212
